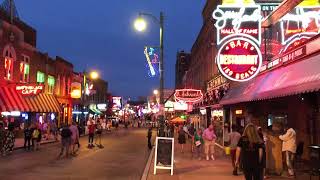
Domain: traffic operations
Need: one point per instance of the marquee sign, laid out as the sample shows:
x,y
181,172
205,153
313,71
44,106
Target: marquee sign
x,y
239,59
188,95
29,89
238,20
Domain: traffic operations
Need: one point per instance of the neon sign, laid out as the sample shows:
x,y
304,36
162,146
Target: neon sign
x,y
29,89
152,61
232,20
188,95
239,59
299,25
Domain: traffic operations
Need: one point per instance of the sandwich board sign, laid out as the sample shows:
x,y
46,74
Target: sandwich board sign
x,y
164,154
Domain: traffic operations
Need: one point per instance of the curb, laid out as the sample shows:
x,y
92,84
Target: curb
x,y
147,167
48,142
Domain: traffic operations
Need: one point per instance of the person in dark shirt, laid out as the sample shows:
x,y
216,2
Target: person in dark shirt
x,y
27,137
250,147
149,136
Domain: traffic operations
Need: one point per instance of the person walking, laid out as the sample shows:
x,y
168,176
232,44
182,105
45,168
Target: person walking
x,y
91,128
65,140
234,138
209,138
191,131
251,150
99,134
36,138
198,142
181,138
74,137
264,157
9,140
27,138
149,136
2,137
289,147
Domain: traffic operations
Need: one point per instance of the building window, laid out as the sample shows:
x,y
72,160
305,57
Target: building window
x,y
40,77
9,55
51,82
24,69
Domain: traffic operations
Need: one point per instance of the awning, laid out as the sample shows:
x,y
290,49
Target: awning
x,y
10,100
300,77
177,120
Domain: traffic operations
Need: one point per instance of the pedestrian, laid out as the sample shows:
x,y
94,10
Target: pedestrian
x,y
9,140
198,142
209,138
74,137
54,130
36,137
91,128
27,138
2,137
289,147
149,136
191,131
234,138
80,132
250,148
99,134
264,157
66,134
181,138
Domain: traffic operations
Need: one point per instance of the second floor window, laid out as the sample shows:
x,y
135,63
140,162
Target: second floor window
x,y
9,58
24,69
40,77
51,82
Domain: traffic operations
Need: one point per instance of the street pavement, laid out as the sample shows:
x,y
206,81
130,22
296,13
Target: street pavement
x,y
123,157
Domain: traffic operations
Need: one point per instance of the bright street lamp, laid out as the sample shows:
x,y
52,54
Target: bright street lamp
x,y
140,24
155,92
94,75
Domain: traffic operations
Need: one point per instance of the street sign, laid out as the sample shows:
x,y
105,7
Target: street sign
x,y
164,154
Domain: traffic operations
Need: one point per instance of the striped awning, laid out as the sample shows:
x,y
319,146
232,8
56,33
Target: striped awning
x,y
11,100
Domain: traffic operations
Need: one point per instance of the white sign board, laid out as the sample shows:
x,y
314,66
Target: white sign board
x,y
164,154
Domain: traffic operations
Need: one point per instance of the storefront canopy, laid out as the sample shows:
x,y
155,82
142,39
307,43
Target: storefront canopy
x,y
177,120
11,100
300,77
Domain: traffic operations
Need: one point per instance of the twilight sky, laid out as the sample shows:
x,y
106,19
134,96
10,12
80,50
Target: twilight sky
x,y
99,34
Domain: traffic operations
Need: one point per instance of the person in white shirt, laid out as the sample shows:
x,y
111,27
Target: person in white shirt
x,y
289,146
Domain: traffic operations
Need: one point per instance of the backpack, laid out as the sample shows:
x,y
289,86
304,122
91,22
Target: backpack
x,y
35,133
65,133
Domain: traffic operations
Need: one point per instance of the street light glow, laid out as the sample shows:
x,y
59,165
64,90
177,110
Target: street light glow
x,y
94,75
140,24
155,92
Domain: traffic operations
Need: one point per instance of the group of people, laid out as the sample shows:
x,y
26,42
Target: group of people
x,y
248,151
199,139
94,129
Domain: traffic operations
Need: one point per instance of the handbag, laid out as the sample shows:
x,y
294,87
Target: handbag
x,y
198,143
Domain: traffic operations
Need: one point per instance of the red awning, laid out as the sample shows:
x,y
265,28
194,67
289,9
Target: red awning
x,y
11,100
300,77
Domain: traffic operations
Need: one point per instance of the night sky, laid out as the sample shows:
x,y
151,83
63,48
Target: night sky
x,y
99,34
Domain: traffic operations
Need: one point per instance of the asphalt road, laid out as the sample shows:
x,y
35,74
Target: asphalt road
x,y
123,157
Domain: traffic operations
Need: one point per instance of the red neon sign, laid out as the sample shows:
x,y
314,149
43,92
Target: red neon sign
x,y
239,59
188,95
29,89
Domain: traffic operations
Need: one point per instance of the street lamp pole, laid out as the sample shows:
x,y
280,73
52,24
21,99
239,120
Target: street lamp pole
x,y
161,65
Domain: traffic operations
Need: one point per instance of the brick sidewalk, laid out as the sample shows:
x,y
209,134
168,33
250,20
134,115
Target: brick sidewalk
x,y
188,168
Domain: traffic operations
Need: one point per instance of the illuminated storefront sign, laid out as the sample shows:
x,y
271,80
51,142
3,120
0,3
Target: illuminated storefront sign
x,y
188,95
180,106
152,61
29,89
299,25
102,107
237,20
239,59
117,104
75,90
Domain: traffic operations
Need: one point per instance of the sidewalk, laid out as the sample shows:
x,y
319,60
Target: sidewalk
x,y
188,168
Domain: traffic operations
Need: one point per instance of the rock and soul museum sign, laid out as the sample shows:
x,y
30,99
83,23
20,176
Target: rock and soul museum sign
x,y
238,37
